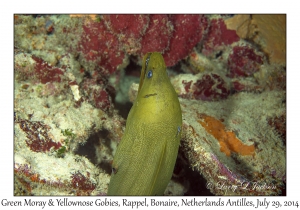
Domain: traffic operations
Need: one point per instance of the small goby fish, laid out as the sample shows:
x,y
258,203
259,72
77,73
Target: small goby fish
x,y
146,156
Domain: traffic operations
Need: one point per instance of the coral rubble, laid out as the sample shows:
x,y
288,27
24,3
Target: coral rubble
x,y
234,145
75,81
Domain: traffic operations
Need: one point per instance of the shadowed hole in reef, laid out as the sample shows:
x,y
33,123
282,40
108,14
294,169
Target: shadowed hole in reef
x,y
130,75
88,150
192,180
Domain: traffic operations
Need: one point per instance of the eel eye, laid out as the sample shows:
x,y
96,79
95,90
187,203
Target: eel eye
x,y
114,170
149,74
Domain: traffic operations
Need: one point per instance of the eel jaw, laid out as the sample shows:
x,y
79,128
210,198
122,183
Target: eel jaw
x,y
148,95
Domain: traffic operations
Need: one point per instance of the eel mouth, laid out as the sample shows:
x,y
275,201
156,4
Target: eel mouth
x,y
149,95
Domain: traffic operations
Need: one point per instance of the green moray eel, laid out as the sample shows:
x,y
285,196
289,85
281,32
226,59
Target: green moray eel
x,y
146,156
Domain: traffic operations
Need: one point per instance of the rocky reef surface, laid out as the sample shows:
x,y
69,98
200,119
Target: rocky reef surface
x,y
75,78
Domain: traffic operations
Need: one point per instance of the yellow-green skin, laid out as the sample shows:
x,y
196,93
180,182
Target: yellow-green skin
x,y
145,158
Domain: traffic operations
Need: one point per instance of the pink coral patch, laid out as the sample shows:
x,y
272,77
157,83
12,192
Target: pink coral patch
x,y
130,25
218,35
157,36
38,137
81,182
46,73
243,61
102,47
210,87
188,31
95,90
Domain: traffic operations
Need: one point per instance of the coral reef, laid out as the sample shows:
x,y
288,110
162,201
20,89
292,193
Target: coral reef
x,y
101,47
231,143
75,81
206,87
233,149
243,62
269,31
157,36
218,37
188,31
227,139
52,123
118,36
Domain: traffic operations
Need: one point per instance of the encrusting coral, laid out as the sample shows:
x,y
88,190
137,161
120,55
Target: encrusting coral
x,y
228,71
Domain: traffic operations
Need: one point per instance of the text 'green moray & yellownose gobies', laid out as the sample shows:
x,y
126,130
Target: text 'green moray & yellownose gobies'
x,y
145,158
